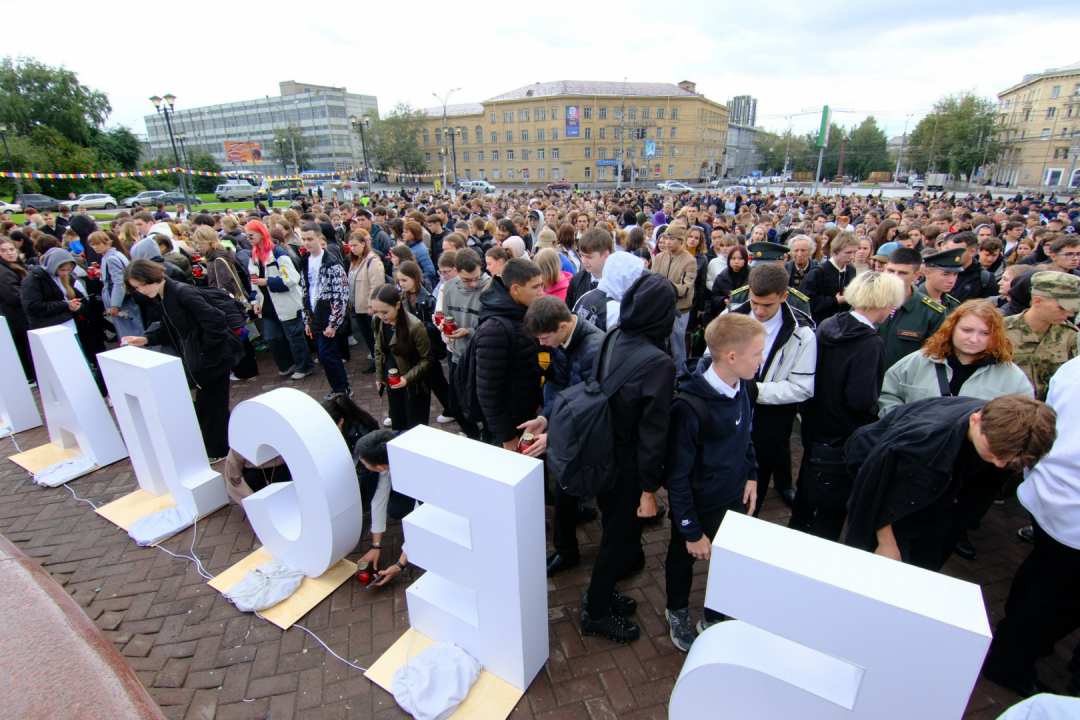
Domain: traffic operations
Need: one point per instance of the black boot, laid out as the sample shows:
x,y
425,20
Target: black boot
x,y
613,627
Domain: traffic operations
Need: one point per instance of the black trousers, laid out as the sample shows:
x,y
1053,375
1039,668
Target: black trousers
x,y
564,531
436,380
471,429
620,543
1042,608
22,346
679,566
212,410
825,523
774,462
409,407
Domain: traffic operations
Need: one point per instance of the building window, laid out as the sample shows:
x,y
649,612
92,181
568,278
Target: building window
x,y
588,173
672,134
1046,134
494,137
1056,91
523,116
588,153
483,174
467,154
494,156
468,174
674,113
525,155
540,173
670,171
427,139
603,113
509,154
586,113
633,113
464,136
509,136
554,153
427,157
541,114
480,156
671,151
524,136
540,134
659,113
588,133
479,134
603,133
644,113
510,173
495,174
540,155
492,122
554,113
554,134
438,136
601,173
659,132
618,113
602,153
554,173
1051,112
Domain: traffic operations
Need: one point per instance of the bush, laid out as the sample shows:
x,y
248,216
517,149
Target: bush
x,y
121,188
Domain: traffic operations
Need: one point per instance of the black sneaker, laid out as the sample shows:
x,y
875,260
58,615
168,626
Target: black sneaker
x,y
1027,533
368,369
661,512
620,604
682,628
613,627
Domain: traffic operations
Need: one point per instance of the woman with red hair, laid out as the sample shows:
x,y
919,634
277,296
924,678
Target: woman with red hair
x,y
968,356
278,299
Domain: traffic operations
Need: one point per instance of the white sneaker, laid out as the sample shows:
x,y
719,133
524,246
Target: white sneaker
x,y
352,341
443,419
300,375
387,423
233,377
288,372
703,625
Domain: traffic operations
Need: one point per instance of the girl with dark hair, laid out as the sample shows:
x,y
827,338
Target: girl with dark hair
x,y
12,274
733,277
566,244
373,463
419,302
403,359
125,313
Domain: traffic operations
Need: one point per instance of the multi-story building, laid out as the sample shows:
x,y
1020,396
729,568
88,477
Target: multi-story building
x,y
1039,125
744,110
320,112
741,156
579,132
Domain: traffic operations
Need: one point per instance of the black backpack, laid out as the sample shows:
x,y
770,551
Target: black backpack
x,y
227,304
465,377
581,436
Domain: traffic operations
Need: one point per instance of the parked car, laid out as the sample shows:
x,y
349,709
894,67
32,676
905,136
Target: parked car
x,y
172,198
559,185
9,208
235,190
741,189
38,202
917,183
94,201
478,186
674,186
147,198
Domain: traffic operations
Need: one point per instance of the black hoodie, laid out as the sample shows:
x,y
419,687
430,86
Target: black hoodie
x,y
507,376
1019,294
850,370
641,408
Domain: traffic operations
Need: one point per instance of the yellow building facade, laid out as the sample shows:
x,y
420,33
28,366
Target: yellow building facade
x,y
577,132
1039,125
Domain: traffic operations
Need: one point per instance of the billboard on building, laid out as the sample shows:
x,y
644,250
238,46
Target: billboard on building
x,y
243,152
573,121
650,148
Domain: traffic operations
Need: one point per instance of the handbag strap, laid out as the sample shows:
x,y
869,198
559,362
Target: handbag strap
x,y
235,277
942,380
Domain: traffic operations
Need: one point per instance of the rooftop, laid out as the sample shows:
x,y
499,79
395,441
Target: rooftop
x,y
1050,71
594,87
459,109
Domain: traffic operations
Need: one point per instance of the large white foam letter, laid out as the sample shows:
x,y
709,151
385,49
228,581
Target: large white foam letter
x,y
153,406
480,537
75,412
314,520
828,632
17,407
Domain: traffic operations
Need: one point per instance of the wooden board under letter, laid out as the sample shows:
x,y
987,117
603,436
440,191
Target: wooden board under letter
x,y
134,506
36,460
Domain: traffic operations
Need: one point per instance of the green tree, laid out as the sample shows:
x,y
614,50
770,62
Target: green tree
x,y
393,142
773,149
956,137
118,146
34,94
294,138
47,148
168,181
121,188
205,162
867,150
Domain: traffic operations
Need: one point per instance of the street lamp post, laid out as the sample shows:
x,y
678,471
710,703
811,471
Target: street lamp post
x,y
187,165
280,142
452,132
170,100
11,163
362,123
444,101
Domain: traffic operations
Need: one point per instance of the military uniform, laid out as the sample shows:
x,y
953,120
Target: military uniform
x,y
795,298
764,253
949,260
1039,356
909,326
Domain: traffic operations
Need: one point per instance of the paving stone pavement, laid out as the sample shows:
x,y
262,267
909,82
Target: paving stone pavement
x,y
202,658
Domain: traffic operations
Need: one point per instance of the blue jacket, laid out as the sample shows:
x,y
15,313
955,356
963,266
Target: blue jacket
x,y
572,364
423,259
723,461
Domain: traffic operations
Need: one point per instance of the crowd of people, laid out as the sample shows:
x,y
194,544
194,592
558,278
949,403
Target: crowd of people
x,y
920,351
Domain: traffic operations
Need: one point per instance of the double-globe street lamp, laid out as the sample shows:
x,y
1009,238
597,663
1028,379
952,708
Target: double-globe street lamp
x,y
361,123
167,109
452,132
187,165
11,163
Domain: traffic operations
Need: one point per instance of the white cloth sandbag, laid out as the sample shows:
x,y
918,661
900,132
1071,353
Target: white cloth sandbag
x,y
155,527
435,682
64,471
265,586
1044,707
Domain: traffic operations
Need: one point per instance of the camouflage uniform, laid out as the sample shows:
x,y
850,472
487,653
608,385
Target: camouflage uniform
x,y
1039,356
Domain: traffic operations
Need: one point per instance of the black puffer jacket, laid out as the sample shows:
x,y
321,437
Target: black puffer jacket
x,y
197,331
43,300
507,377
850,370
11,299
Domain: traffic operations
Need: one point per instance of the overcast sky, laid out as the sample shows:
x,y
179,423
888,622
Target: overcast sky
x,y
887,59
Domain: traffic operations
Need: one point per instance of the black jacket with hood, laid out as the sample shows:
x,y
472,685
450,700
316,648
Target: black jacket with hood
x,y
507,376
11,306
1019,294
640,410
42,298
850,370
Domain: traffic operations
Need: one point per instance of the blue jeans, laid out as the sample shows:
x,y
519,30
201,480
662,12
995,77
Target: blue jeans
x,y
330,357
285,338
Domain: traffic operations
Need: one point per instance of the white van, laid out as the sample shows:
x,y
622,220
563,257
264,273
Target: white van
x,y
235,190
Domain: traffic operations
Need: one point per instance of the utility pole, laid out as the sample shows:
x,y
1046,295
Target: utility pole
x,y
903,144
444,101
622,125
933,142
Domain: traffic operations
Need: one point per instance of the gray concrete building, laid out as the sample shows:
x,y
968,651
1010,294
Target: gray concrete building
x,y
741,156
321,112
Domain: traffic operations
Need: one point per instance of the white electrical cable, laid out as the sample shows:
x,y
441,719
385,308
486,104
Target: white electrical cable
x,y
79,498
356,667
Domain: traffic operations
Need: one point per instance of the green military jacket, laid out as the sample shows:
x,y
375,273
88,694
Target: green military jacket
x,y
909,327
1040,356
795,298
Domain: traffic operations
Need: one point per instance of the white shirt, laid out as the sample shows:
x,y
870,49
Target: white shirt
x,y
721,387
862,319
1051,489
772,330
314,264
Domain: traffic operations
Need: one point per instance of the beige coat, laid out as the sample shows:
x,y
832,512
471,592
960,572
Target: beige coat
x,y
367,278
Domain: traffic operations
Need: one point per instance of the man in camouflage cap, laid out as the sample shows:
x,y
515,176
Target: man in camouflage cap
x,y
764,253
1043,337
